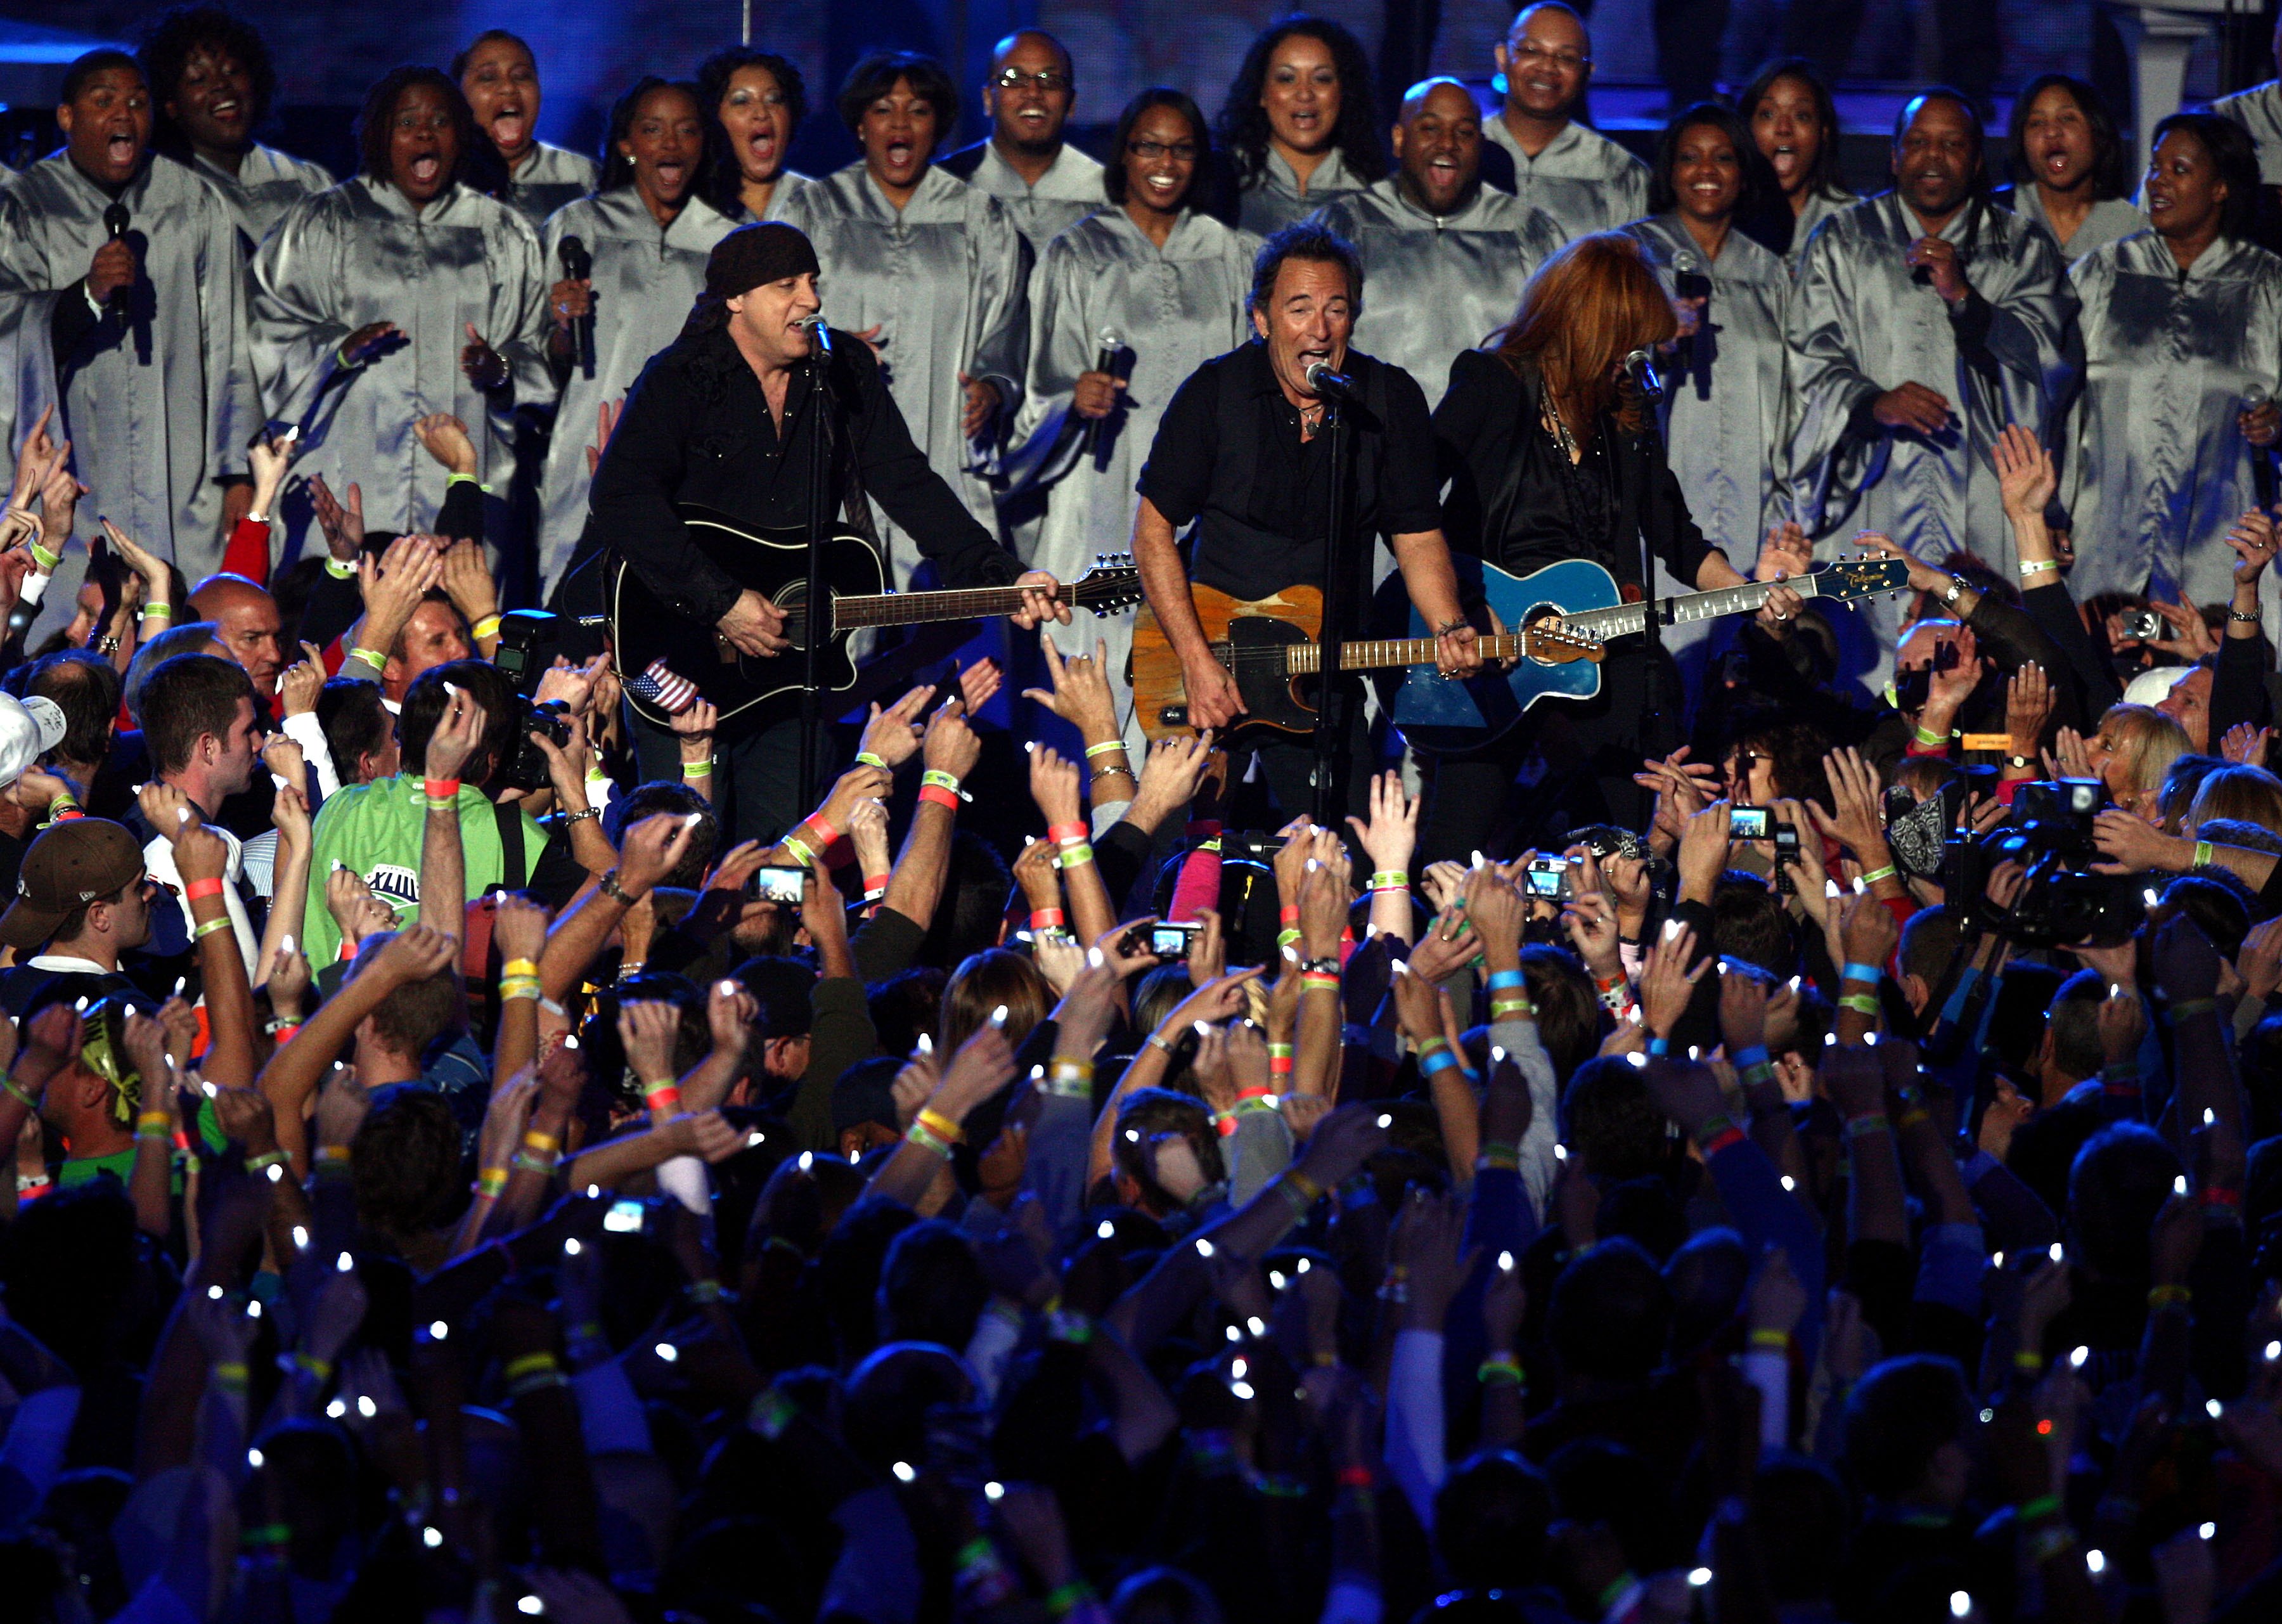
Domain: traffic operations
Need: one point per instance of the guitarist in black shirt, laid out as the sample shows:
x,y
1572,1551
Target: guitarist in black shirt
x,y
722,420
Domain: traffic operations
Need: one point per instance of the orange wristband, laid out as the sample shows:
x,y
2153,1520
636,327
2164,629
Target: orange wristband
x,y
198,888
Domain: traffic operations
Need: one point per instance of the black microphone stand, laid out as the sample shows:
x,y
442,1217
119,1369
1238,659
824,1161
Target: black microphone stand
x,y
816,615
1652,736
1330,701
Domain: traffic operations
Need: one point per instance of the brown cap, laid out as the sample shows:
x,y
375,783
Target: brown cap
x,y
68,866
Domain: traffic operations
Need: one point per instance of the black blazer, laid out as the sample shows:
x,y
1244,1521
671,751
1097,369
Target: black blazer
x,y
1480,430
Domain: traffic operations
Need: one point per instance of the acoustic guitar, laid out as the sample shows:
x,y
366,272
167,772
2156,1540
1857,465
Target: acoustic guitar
x,y
1559,620
765,689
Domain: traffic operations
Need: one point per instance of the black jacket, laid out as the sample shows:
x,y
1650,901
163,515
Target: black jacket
x,y
696,430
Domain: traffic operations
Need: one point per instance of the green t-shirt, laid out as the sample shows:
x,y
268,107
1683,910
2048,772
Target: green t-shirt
x,y
120,1166
377,830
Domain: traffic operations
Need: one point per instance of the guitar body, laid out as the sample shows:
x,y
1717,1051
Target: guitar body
x,y
1438,717
757,692
1250,638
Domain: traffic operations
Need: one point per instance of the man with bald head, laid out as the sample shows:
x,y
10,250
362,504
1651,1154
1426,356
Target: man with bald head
x,y
1585,181
1443,253
246,626
1046,183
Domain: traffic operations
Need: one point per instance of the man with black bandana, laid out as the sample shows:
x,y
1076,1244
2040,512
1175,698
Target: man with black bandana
x,y
723,419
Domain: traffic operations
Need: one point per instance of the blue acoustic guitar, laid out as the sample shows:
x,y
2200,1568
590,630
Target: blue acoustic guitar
x,y
1569,613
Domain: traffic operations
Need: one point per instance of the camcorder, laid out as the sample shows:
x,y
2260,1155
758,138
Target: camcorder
x,y
528,770
2049,833
529,640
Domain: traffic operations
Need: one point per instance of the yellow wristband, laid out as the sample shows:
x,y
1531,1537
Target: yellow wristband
x,y
370,657
488,626
519,966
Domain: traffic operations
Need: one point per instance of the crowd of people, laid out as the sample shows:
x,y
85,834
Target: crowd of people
x,y
467,1162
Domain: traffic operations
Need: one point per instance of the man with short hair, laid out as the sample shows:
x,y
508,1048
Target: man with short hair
x,y
1046,184
204,731
149,357
1445,253
83,899
246,627
1539,152
82,685
1925,321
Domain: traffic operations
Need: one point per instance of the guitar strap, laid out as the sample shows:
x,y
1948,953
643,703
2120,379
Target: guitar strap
x,y
840,450
515,869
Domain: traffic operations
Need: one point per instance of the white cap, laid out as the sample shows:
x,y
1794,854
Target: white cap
x,y
30,728
2153,687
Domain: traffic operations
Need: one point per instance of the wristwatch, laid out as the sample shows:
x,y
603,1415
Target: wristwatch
x,y
1957,586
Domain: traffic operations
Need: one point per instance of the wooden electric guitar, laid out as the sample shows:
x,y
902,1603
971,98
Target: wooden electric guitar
x,y
1559,619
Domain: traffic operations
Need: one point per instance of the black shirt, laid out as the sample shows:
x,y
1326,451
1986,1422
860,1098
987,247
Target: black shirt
x,y
696,429
1515,501
1228,455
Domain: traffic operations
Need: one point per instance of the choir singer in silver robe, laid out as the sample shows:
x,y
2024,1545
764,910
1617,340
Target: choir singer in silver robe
x,y
1925,320
930,272
1446,252
2183,360
399,294
125,277
647,235
1169,284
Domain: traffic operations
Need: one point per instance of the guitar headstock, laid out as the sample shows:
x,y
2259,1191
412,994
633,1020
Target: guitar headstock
x,y
1549,643
1114,583
1861,577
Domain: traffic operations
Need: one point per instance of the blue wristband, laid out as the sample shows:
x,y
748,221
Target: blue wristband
x,y
1438,1061
1744,1060
1500,980
1659,1046
1862,972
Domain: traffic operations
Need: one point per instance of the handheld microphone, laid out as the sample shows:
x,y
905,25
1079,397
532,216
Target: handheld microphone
x,y
2261,457
1640,366
1330,384
115,222
579,265
1690,280
819,332
1105,360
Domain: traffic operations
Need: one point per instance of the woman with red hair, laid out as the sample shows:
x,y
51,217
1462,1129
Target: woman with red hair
x,y
1550,456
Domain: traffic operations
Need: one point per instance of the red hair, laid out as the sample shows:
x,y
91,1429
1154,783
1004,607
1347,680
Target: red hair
x,y
1585,309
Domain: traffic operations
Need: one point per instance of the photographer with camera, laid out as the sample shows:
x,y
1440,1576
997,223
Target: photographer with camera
x,y
376,829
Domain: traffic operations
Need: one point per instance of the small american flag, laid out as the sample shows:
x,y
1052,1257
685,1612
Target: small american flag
x,y
658,685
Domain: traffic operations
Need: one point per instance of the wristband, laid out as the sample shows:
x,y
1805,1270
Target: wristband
x,y
1061,1602
2027,1361
2043,1505
514,987
1658,1047
529,1365
1076,856
1930,739
1300,1188
666,1097
770,1413
1750,1058
800,848
538,1381
446,789
544,1144
267,1535
1861,1004
1107,747
1288,914
703,1293
522,1161
875,886
873,759
158,611
154,1125
1868,1123
815,821
488,626
1493,1155
1047,919
492,1183
2219,1195
519,966
1389,880
1066,834
334,567
280,1032
2041,567
2202,854
1354,1477
197,889
267,1159
1067,1079
942,1126
1503,1373
370,657
1876,874
697,769
1516,1007
230,1374
934,779
1719,1133
1431,1065
919,1134
209,927
1869,973
940,795
46,560
1500,980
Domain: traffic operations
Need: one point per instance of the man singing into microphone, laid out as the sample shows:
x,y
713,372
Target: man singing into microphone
x,y
725,419
146,319
1240,454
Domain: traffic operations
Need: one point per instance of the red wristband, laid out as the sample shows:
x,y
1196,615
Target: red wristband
x,y
443,789
815,821
1254,1093
2219,1195
1731,1135
874,883
940,795
1356,1477
666,1097
1224,1126
1060,832
284,1035
1279,1065
198,888
1288,914
1046,918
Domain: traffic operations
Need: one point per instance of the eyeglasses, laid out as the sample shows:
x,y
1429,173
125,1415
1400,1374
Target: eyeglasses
x,y
1529,51
1149,152
1014,78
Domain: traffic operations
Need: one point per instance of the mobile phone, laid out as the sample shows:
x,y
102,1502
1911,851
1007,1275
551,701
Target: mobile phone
x,y
1549,877
2144,624
625,1217
1165,939
1748,822
775,882
1786,854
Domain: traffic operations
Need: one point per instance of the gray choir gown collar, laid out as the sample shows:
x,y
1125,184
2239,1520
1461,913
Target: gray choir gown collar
x,y
939,198
1487,210
1330,175
2111,220
1577,152
1073,177
622,213
1193,235
1739,255
2227,260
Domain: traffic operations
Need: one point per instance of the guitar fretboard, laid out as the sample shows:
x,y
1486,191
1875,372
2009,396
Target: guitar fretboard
x,y
1624,619
919,608
1377,654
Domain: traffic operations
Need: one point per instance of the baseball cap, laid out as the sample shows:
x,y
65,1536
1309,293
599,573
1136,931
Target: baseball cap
x,y
68,866
30,728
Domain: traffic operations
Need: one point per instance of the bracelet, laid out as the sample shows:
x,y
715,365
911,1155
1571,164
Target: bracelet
x,y
197,889
2027,1361
664,1097
1106,747
1861,1004
1076,856
2169,1296
2202,854
158,611
16,1090
1503,1373
1887,873
919,1134
942,1126
1047,919
1869,973
2239,618
209,927
934,779
2041,566
488,626
1868,1123
610,887
492,1183
1389,880
529,1365
446,789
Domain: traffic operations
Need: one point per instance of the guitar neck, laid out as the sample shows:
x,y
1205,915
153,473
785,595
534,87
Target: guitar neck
x,y
1625,619
921,608
1379,654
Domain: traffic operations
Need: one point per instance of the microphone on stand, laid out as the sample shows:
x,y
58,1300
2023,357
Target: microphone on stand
x,y
2261,457
1691,281
1104,360
1330,384
579,265
115,222
1640,366
819,332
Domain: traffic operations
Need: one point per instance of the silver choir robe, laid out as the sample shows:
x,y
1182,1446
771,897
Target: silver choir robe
x,y
645,281
788,183
1862,324
549,178
2160,470
1275,199
1821,206
267,182
1726,394
360,254
2259,111
943,279
1066,193
163,403
2110,220
1433,286
1584,180
1176,307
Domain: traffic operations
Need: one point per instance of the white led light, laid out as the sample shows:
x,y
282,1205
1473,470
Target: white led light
x,y
2056,1251
275,1171
1385,1119
1242,1390
1307,1263
807,1159
1505,1263
2210,1530
254,1308
431,1537
1256,1326
2077,1355
1106,1229
1636,1059
2150,897
994,1491
1203,1246
253,1459
531,1604
1235,1335
1093,956
2209,1116
1960,1604
756,1138
437,1330
998,1015
301,1238
1497,1055
1671,929
2273,1352
2211,1407
668,1352
927,1044
366,1407
1699,1576
1997,1260
2095,1562
904,1471
1276,1279
1239,1367
1789,1182
2179,1185
1133,1136
213,1294
1987,1416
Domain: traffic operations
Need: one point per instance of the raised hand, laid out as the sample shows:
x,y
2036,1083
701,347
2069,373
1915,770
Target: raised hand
x,y
1667,982
458,732
2252,541
950,745
485,366
2026,480
654,848
893,734
1081,695
2246,743
1054,786
2028,700
341,522
1392,835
